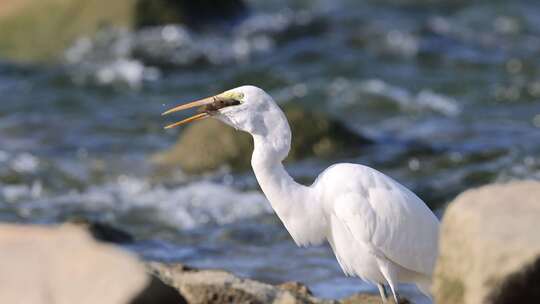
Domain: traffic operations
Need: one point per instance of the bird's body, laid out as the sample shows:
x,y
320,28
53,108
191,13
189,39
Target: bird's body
x,y
378,229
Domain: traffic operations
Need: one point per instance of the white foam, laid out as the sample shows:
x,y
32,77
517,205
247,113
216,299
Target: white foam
x,y
184,207
25,163
107,58
351,92
527,168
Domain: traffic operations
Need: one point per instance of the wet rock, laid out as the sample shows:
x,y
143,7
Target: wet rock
x,y
190,13
490,246
217,286
210,144
318,135
205,146
103,231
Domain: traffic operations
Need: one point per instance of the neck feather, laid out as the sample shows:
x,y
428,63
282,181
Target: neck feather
x,y
269,152
296,205
287,197
281,190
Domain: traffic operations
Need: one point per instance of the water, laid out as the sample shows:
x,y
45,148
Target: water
x,y
450,93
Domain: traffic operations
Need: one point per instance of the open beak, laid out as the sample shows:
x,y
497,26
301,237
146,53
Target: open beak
x,y
207,107
202,103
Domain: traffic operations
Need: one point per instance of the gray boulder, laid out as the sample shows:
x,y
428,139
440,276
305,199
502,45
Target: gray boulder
x,y
490,246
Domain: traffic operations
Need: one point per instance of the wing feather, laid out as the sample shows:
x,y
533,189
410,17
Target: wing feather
x,y
392,219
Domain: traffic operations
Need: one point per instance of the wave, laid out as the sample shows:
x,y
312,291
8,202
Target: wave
x,y
376,92
131,199
120,56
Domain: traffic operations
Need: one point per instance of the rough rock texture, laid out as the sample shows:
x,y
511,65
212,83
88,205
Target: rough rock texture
x,y
209,144
490,246
65,265
217,286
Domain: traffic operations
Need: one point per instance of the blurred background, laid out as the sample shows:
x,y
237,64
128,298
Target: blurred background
x,y
441,95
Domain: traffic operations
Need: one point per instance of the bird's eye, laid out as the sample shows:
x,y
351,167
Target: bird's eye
x,y
219,104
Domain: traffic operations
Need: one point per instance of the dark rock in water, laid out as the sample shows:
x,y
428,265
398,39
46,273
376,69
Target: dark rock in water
x,y
209,144
107,233
191,13
318,135
205,146
104,232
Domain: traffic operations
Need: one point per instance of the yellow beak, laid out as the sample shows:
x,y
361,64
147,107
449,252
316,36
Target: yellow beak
x,y
197,103
207,106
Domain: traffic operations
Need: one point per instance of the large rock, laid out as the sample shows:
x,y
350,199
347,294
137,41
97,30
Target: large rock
x,y
490,246
209,144
65,265
42,29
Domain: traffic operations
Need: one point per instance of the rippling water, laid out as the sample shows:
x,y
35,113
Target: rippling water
x,y
450,93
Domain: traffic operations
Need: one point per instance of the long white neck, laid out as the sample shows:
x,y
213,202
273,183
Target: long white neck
x,y
276,183
295,204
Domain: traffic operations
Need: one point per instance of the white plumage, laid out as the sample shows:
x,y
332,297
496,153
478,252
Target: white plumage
x,y
378,229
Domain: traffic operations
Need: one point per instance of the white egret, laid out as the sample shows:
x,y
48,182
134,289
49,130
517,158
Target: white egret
x,y
379,230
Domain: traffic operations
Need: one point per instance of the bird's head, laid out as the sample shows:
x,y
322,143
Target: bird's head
x,y
247,108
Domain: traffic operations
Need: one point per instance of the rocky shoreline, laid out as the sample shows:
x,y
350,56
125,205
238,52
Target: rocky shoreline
x,y
68,264
489,253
